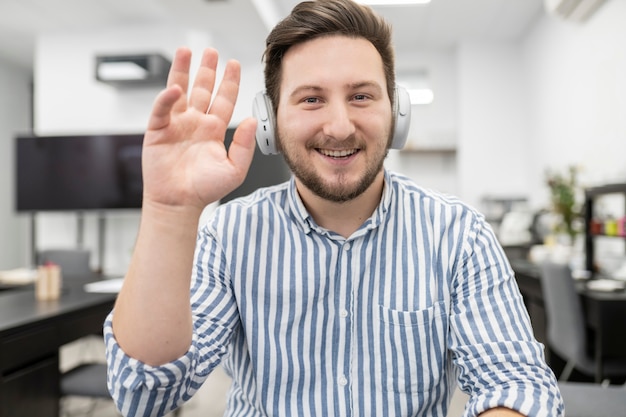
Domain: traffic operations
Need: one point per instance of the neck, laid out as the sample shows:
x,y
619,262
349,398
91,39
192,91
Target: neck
x,y
345,217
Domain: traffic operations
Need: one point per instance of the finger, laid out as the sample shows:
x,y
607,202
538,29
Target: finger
x,y
200,96
179,75
162,108
241,150
226,97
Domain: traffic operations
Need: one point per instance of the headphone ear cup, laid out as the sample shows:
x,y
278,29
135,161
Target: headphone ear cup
x,y
402,116
263,112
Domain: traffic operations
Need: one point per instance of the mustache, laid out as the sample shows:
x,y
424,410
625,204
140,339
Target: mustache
x,y
333,143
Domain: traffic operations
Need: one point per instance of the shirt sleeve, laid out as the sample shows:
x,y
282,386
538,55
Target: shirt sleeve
x,y
501,363
142,390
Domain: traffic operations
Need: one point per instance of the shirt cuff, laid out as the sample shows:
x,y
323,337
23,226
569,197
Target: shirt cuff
x,y
133,374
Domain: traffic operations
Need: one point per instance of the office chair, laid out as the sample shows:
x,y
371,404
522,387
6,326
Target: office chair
x,y
566,331
582,399
74,263
87,380
84,380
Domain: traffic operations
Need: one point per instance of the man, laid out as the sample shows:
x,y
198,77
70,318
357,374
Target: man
x,y
348,290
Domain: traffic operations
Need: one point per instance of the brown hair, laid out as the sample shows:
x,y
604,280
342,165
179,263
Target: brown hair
x,y
312,19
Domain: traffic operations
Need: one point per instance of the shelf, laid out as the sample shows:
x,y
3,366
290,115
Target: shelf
x,y
605,189
590,195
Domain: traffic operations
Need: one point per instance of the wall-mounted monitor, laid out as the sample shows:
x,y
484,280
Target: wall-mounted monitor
x,y
70,173
102,172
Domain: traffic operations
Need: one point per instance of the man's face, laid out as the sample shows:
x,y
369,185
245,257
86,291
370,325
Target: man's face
x,y
334,117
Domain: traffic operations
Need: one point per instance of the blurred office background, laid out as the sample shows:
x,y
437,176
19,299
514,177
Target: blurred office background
x,y
517,90
518,87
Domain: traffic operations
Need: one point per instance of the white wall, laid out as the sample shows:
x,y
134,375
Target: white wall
x,y
68,98
577,105
493,128
14,119
433,126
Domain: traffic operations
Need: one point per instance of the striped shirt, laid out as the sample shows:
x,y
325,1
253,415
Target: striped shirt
x,y
384,323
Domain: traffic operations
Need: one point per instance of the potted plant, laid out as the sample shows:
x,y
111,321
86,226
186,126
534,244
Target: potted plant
x,y
563,195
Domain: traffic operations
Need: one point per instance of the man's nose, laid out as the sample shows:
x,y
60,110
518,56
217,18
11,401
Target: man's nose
x,y
339,124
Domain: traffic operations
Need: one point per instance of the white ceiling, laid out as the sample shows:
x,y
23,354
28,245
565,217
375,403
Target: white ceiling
x,y
242,25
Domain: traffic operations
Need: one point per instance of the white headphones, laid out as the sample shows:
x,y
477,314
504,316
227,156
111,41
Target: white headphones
x,y
266,139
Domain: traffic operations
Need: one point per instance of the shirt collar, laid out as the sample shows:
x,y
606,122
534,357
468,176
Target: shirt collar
x,y
302,217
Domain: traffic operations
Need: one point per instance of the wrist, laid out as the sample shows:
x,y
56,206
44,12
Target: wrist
x,y
170,216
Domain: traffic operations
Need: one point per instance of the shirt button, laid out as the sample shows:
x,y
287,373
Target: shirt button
x,y
343,381
343,313
347,247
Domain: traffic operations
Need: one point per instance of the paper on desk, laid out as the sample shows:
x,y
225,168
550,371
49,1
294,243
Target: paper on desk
x,y
111,285
18,276
605,285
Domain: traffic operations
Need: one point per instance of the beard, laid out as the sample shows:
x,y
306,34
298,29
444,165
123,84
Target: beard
x,y
337,189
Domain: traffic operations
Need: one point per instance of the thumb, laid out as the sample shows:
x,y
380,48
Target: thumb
x,y
241,149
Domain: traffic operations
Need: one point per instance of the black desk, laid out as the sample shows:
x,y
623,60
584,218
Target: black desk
x,y
605,313
31,333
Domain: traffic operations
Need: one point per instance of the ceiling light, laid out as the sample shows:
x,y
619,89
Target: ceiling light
x,y
393,2
132,70
421,95
116,71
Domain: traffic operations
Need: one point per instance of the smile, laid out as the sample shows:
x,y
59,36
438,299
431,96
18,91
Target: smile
x,y
338,154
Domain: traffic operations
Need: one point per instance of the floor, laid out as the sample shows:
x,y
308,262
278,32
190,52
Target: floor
x,y
208,402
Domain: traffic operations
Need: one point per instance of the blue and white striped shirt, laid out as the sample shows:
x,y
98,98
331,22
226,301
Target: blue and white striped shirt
x,y
383,323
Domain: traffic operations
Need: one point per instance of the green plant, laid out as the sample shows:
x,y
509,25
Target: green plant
x,y
563,192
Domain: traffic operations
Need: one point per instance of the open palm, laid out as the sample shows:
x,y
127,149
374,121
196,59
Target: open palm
x,y
185,162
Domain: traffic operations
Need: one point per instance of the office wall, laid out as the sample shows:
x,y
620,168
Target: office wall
x,y
68,98
15,112
493,128
577,102
434,126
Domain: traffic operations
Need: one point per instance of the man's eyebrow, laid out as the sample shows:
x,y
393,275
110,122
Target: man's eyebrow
x,y
307,88
368,84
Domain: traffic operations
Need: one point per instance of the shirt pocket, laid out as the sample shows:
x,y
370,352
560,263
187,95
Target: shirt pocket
x,y
414,346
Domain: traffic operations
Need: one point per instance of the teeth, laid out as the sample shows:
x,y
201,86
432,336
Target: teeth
x,y
338,154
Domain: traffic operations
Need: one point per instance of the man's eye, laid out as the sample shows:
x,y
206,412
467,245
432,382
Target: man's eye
x,y
360,97
311,100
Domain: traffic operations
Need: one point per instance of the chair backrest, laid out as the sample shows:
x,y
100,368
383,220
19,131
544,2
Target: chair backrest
x,y
566,330
73,262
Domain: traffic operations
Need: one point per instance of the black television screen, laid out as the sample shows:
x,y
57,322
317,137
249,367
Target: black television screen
x,y
62,173
100,172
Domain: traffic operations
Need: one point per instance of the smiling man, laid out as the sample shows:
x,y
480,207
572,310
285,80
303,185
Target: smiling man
x,y
334,128
348,290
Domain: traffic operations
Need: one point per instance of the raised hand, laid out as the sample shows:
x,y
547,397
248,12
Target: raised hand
x,y
184,160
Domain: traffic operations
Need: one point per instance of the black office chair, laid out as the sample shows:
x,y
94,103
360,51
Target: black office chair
x,y
582,399
566,330
85,380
